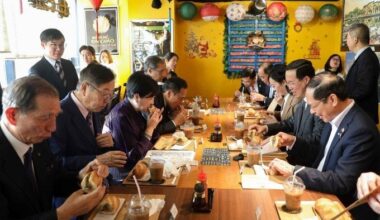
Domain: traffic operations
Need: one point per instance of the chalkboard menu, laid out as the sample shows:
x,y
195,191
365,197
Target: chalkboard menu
x,y
241,37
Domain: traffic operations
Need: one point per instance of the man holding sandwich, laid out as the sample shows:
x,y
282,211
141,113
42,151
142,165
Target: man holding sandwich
x,y
29,174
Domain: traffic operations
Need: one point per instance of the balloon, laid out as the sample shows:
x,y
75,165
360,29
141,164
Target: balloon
x,y
235,12
276,11
210,12
328,12
187,10
304,14
96,4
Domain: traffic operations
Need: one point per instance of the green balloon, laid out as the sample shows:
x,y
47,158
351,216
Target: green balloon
x,y
187,10
328,12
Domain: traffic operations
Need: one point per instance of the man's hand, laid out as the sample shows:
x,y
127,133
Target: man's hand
x,y
79,203
114,158
104,140
237,93
282,167
367,183
286,139
257,97
154,118
261,129
102,170
180,116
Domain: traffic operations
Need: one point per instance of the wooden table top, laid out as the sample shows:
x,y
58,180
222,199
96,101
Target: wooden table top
x,y
230,200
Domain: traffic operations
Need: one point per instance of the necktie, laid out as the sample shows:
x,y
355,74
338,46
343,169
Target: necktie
x,y
28,164
90,122
59,69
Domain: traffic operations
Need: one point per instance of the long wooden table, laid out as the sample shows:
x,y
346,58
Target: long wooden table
x,y
230,200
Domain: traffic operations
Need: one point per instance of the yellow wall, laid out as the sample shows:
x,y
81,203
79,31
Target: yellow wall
x,y
205,75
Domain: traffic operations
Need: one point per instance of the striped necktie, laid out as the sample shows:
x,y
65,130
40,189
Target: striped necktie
x,y
28,164
90,122
59,69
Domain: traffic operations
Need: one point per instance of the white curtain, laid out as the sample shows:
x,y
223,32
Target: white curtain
x,y
4,42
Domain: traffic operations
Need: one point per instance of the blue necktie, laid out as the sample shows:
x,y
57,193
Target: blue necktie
x,y
28,164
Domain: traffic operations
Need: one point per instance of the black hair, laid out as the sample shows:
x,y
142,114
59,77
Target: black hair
x,y
328,67
152,62
360,31
96,74
248,72
22,93
174,84
325,84
87,47
303,68
277,73
51,34
141,84
169,55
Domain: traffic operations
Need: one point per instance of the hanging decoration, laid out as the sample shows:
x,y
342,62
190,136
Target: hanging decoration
x,y
210,12
304,14
256,7
235,12
61,7
156,4
96,5
276,11
328,12
187,10
256,40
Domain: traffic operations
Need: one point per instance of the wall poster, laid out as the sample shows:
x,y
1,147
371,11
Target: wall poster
x,y
107,29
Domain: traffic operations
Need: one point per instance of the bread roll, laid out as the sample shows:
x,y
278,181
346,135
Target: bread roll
x,y
140,169
328,209
109,205
275,141
91,181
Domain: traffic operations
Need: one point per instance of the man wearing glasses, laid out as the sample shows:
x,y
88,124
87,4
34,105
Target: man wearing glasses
x,y
78,137
52,67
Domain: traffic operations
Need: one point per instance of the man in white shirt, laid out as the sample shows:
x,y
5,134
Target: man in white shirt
x,y
349,143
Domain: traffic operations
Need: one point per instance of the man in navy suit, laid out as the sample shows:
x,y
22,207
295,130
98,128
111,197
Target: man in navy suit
x,y
362,77
349,143
266,92
78,137
29,174
52,67
174,114
305,129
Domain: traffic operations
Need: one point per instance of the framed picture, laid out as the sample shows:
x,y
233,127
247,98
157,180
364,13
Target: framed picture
x,y
362,11
107,23
148,38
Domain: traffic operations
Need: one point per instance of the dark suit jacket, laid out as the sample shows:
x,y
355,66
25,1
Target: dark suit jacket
x,y
128,131
46,71
354,150
306,127
264,90
17,199
166,125
73,142
361,82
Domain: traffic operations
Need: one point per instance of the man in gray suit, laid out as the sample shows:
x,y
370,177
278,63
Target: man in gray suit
x,y
305,128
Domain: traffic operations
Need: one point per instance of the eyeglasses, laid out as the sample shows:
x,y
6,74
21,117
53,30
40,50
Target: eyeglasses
x,y
106,95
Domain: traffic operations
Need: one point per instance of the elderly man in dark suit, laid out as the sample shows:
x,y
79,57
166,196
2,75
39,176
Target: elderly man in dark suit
x,y
174,114
362,77
305,127
52,67
29,174
78,138
349,143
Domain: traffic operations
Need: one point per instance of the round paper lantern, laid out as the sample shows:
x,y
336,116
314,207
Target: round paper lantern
x,y
276,11
328,12
235,12
304,14
187,10
210,12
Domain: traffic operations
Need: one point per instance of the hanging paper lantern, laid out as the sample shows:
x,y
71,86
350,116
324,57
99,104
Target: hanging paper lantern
x,y
328,12
187,10
235,12
210,12
276,11
304,14
256,7
96,5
